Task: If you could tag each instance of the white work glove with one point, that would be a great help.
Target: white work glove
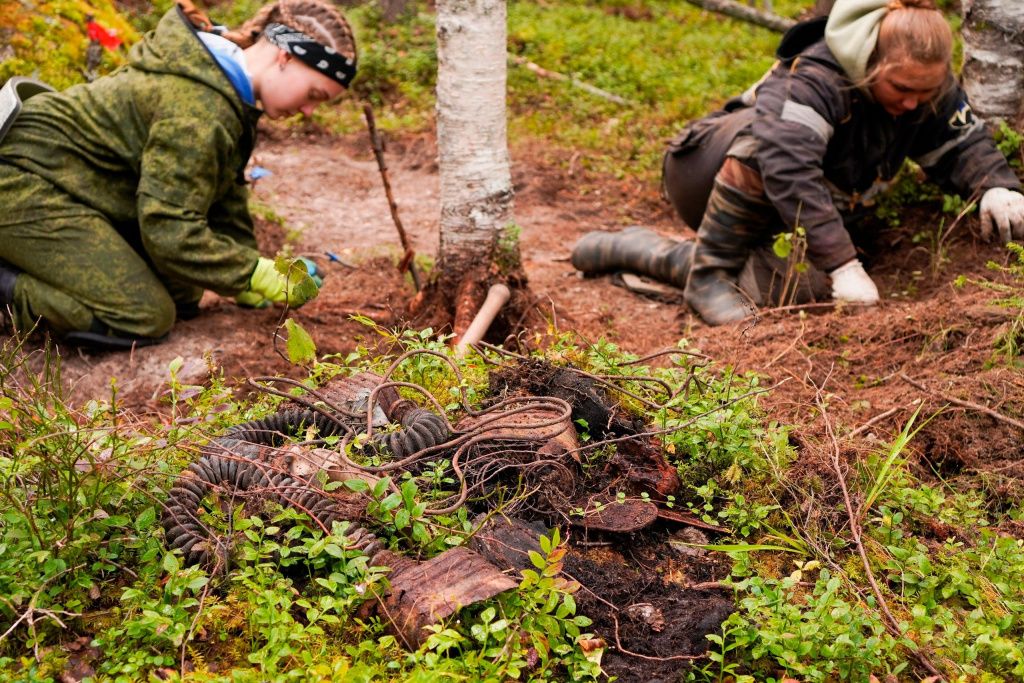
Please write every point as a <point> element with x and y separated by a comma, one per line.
<point>1004,208</point>
<point>851,283</point>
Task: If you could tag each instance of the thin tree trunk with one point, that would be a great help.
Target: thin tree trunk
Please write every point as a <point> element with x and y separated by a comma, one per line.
<point>476,183</point>
<point>993,73</point>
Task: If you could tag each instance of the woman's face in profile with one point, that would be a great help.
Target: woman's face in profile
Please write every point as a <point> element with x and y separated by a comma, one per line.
<point>291,87</point>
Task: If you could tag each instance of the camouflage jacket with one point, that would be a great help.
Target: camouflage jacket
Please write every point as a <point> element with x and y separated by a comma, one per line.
<point>823,145</point>
<point>158,147</point>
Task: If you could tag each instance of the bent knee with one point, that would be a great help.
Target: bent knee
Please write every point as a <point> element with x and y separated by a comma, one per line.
<point>151,318</point>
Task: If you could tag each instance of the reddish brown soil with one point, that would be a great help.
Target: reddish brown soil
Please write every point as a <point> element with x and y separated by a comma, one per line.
<point>327,193</point>
<point>846,367</point>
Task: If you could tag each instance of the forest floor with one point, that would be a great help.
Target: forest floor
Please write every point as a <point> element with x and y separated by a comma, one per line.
<point>327,191</point>
<point>863,371</point>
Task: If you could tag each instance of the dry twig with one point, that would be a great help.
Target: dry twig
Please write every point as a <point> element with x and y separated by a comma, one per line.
<point>876,419</point>
<point>769,20</point>
<point>970,405</point>
<point>892,625</point>
<point>547,73</point>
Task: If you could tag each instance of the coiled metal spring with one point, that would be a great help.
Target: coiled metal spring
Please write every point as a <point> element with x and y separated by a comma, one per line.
<point>239,462</point>
<point>421,429</point>
<point>274,429</point>
<point>242,467</point>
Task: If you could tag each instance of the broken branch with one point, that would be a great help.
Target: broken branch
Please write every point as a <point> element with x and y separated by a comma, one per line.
<point>735,10</point>
<point>408,254</point>
<point>970,405</point>
<point>547,73</point>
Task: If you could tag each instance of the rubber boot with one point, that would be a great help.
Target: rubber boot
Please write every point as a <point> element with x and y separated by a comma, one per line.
<point>723,246</point>
<point>636,249</point>
<point>100,337</point>
<point>8,275</point>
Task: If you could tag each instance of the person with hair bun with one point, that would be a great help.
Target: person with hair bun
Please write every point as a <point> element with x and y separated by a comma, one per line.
<point>811,145</point>
<point>124,198</point>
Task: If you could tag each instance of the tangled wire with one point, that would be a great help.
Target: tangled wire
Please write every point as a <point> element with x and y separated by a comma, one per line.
<point>504,440</point>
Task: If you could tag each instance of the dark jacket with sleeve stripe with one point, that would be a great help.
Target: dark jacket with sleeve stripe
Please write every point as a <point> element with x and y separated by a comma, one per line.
<point>821,142</point>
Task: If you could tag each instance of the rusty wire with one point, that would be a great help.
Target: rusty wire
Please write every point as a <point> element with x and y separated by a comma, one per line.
<point>609,381</point>
<point>503,437</point>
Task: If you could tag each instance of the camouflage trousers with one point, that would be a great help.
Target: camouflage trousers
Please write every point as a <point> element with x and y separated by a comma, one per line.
<point>78,272</point>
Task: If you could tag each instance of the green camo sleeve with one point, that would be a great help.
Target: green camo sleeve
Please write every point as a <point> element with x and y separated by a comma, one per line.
<point>188,167</point>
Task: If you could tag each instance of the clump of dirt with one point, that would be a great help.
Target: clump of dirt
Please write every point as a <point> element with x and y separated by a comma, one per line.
<point>655,629</point>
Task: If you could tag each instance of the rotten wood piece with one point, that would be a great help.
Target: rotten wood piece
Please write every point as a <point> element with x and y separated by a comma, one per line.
<point>753,15</point>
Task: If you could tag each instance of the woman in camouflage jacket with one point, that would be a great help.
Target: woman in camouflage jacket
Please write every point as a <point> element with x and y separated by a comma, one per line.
<point>850,98</point>
<point>124,199</point>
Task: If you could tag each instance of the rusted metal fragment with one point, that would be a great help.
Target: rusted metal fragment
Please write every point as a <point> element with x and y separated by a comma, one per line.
<point>506,543</point>
<point>522,425</point>
<point>689,520</point>
<point>427,592</point>
<point>624,517</point>
<point>643,463</point>
<point>468,298</point>
<point>351,394</point>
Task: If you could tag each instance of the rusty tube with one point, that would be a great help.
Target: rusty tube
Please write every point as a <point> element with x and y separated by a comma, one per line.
<point>497,296</point>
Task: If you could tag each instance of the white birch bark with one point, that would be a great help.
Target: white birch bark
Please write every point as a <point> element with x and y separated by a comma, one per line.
<point>476,183</point>
<point>993,73</point>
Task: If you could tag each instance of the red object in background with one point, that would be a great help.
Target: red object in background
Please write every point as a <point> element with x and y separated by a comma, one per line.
<point>105,37</point>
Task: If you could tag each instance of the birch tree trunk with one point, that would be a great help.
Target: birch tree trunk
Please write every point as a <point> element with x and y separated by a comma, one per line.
<point>993,73</point>
<point>476,183</point>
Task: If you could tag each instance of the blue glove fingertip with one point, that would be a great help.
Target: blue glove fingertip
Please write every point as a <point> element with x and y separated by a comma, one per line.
<point>314,271</point>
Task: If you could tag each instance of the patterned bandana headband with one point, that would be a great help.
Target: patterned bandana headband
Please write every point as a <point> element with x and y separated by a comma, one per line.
<point>325,59</point>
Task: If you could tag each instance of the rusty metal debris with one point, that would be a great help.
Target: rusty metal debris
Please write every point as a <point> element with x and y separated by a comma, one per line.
<point>506,542</point>
<point>424,593</point>
<point>524,441</point>
<point>620,517</point>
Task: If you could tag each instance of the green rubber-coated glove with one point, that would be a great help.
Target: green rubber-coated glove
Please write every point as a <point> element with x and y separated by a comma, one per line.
<point>269,285</point>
